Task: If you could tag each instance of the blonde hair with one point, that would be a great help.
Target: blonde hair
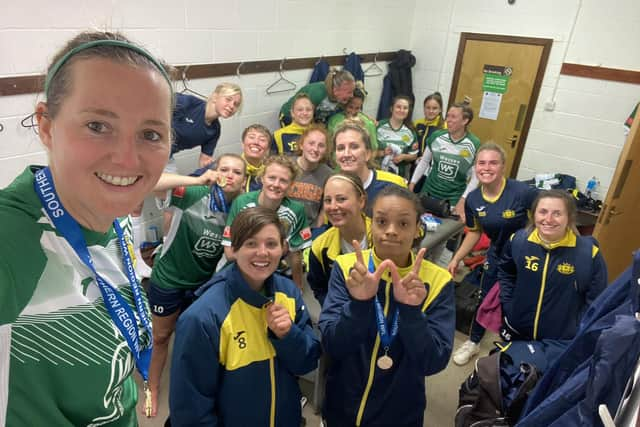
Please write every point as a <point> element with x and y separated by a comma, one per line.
<point>281,160</point>
<point>335,79</point>
<point>492,146</point>
<point>227,89</point>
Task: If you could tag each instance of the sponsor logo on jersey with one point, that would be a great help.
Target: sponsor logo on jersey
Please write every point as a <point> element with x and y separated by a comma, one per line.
<point>508,214</point>
<point>448,168</point>
<point>566,269</point>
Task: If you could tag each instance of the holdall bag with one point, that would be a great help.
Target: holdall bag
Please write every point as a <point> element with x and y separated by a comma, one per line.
<point>438,207</point>
<point>468,295</point>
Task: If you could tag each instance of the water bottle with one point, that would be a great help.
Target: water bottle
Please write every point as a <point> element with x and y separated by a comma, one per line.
<point>591,186</point>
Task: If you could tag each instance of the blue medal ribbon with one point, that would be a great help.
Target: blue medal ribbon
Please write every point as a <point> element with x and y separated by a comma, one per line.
<point>119,310</point>
<point>217,202</point>
<point>386,337</point>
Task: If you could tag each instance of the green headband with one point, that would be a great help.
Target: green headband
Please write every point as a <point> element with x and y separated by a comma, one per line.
<point>119,43</point>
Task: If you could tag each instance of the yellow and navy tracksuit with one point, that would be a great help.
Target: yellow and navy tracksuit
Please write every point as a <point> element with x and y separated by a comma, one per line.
<point>380,180</point>
<point>545,289</point>
<point>324,250</point>
<point>358,392</point>
<point>285,140</point>
<point>424,129</point>
<point>228,368</point>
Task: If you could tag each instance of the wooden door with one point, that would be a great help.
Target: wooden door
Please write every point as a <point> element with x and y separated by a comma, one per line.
<point>502,75</point>
<point>618,226</point>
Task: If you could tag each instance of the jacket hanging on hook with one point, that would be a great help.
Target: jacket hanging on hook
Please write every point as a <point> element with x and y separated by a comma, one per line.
<point>320,71</point>
<point>352,65</point>
<point>398,81</point>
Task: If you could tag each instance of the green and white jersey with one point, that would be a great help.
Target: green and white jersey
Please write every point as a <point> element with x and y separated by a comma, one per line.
<point>451,165</point>
<point>404,139</point>
<point>63,361</point>
<point>290,212</point>
<point>193,245</point>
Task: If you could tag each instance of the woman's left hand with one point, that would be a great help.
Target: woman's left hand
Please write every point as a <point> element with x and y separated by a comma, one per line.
<point>459,210</point>
<point>410,289</point>
<point>278,320</point>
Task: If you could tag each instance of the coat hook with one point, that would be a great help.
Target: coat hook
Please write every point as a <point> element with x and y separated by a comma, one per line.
<point>238,69</point>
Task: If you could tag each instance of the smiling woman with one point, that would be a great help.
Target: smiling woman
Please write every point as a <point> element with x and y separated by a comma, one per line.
<point>249,326</point>
<point>66,254</point>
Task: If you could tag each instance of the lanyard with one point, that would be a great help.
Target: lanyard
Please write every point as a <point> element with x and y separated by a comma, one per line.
<point>386,337</point>
<point>118,309</point>
<point>216,200</point>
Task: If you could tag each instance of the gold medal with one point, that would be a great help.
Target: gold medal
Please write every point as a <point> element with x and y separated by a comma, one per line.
<point>148,406</point>
<point>222,181</point>
<point>385,362</point>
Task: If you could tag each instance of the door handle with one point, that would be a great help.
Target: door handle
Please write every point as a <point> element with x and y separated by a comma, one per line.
<point>611,213</point>
<point>614,212</point>
<point>513,141</point>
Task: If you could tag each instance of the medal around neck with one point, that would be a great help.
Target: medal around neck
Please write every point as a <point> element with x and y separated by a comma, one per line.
<point>384,362</point>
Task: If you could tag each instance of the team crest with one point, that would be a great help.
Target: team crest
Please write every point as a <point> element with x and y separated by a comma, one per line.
<point>465,153</point>
<point>405,138</point>
<point>508,214</point>
<point>227,232</point>
<point>566,268</point>
<point>306,233</point>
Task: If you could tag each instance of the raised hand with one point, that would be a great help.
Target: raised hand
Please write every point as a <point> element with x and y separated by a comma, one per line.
<point>362,284</point>
<point>208,177</point>
<point>278,320</point>
<point>410,289</point>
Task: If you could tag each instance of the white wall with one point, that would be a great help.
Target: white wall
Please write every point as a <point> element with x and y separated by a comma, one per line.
<point>583,136</point>
<point>191,32</point>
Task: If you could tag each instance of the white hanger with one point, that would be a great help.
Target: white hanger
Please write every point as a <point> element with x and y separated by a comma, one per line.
<point>373,69</point>
<point>186,88</point>
<point>287,85</point>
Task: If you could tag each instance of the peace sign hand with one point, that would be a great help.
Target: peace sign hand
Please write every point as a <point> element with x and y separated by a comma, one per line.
<point>362,284</point>
<point>410,289</point>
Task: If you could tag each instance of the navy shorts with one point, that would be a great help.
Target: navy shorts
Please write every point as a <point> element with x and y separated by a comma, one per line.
<point>166,301</point>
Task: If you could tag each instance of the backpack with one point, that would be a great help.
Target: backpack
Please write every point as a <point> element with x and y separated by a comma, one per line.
<point>497,390</point>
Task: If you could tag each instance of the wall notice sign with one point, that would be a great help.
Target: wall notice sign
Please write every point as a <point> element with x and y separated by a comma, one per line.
<point>490,105</point>
<point>496,78</point>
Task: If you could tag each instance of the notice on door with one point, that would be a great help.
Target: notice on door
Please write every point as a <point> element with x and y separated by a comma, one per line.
<point>494,85</point>
<point>490,107</point>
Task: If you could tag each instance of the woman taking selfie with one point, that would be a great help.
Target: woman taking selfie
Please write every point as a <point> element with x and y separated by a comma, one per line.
<point>73,320</point>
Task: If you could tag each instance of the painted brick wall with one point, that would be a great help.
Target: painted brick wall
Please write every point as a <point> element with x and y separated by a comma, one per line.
<point>190,32</point>
<point>583,136</point>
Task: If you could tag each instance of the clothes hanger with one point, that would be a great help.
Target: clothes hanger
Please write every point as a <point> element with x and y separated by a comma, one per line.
<point>288,85</point>
<point>29,122</point>
<point>186,88</point>
<point>373,69</point>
